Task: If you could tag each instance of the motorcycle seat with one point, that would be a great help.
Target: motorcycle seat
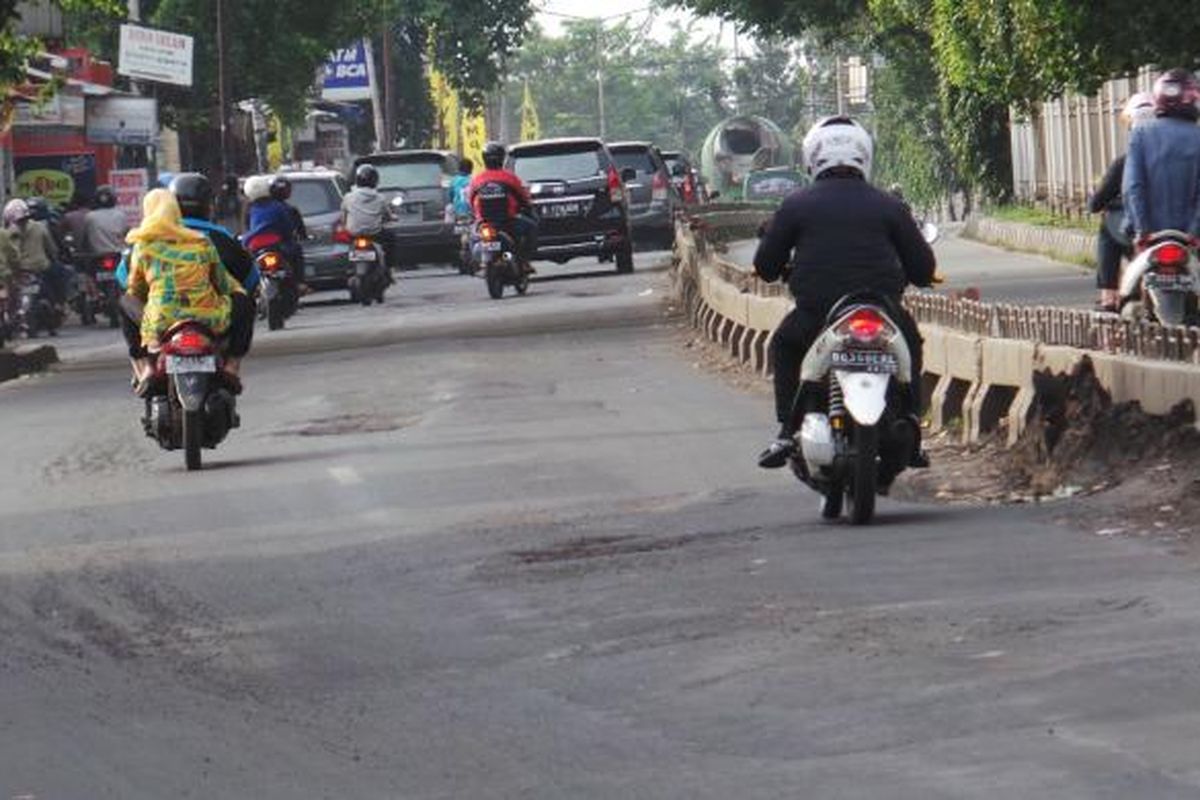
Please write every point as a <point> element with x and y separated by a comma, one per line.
<point>864,297</point>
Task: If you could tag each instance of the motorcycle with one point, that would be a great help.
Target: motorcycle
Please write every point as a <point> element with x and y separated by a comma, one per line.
<point>278,294</point>
<point>495,252</point>
<point>855,437</point>
<point>100,293</point>
<point>1162,281</point>
<point>35,312</point>
<point>368,275</point>
<point>466,264</point>
<point>189,408</point>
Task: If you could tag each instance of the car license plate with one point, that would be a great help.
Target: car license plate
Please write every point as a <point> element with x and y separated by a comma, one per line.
<point>177,365</point>
<point>104,276</point>
<point>492,247</point>
<point>364,255</point>
<point>560,210</point>
<point>865,361</point>
<point>1169,282</point>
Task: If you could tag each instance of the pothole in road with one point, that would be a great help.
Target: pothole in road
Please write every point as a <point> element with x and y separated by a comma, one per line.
<point>346,424</point>
<point>599,547</point>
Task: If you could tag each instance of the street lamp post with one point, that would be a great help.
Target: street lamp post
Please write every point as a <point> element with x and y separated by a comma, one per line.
<point>221,85</point>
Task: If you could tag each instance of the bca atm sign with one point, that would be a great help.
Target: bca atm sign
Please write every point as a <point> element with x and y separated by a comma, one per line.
<point>348,73</point>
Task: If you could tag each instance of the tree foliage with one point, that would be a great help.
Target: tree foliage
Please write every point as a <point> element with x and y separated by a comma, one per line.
<point>16,49</point>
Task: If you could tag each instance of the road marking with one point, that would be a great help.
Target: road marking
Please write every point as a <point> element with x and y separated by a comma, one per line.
<point>346,476</point>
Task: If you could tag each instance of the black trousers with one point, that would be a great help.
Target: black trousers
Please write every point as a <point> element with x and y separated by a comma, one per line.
<point>237,339</point>
<point>1109,252</point>
<point>796,334</point>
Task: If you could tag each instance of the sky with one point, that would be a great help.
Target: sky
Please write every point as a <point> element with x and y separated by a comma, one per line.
<point>637,10</point>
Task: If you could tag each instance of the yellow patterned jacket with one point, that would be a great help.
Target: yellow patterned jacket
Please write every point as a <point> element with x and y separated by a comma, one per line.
<point>180,281</point>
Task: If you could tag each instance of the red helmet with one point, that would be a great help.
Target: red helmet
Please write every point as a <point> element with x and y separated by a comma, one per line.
<point>1176,94</point>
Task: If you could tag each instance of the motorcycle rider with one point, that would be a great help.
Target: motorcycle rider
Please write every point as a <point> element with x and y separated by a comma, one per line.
<point>1112,243</point>
<point>460,187</point>
<point>846,236</point>
<point>519,220</point>
<point>364,209</point>
<point>105,226</point>
<point>37,251</point>
<point>1161,184</point>
<point>281,190</point>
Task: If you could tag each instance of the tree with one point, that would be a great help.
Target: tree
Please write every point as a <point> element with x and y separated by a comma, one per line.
<point>15,49</point>
<point>772,83</point>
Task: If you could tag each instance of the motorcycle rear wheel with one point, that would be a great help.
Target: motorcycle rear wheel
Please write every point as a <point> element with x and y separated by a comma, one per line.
<point>275,314</point>
<point>495,284</point>
<point>863,483</point>
<point>193,431</point>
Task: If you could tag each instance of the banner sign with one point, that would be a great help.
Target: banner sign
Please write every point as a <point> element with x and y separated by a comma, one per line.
<point>347,74</point>
<point>130,186</point>
<point>62,110</point>
<point>55,177</point>
<point>151,55</point>
<point>122,120</point>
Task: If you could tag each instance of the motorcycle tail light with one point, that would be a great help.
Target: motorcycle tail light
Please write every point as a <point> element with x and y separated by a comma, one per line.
<point>487,233</point>
<point>108,263</point>
<point>616,189</point>
<point>269,261</point>
<point>865,326</point>
<point>341,236</point>
<point>1171,257</point>
<point>362,243</point>
<point>190,342</point>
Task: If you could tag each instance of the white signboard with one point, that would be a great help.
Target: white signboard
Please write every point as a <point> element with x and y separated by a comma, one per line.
<point>130,186</point>
<point>152,55</point>
<point>61,110</point>
<point>122,120</point>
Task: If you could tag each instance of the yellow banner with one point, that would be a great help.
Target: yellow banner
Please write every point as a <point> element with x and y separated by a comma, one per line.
<point>531,127</point>
<point>474,136</point>
<point>445,104</point>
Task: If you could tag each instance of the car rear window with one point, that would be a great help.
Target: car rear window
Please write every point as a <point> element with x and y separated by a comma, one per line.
<point>315,197</point>
<point>637,159</point>
<point>557,164</point>
<point>409,174</point>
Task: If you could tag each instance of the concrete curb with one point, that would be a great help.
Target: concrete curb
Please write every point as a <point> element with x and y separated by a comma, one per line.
<point>980,380</point>
<point>1061,244</point>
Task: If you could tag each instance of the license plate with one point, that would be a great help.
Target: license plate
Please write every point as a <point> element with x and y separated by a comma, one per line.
<point>491,247</point>
<point>865,361</point>
<point>364,255</point>
<point>105,277</point>
<point>177,365</point>
<point>560,210</point>
<point>1181,283</point>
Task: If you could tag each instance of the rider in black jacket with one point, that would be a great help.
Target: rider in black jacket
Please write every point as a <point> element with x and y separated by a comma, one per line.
<point>847,236</point>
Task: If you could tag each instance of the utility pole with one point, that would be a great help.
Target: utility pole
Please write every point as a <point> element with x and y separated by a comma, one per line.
<point>221,99</point>
<point>600,77</point>
<point>389,106</point>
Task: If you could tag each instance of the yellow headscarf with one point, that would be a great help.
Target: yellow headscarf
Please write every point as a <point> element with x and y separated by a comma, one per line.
<point>162,221</point>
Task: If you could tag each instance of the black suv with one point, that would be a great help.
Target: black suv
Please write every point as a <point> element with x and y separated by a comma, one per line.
<point>581,201</point>
<point>416,184</point>
<point>653,199</point>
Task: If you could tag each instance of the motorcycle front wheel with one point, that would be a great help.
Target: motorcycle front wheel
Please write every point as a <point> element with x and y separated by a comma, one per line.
<point>495,283</point>
<point>193,431</point>
<point>862,482</point>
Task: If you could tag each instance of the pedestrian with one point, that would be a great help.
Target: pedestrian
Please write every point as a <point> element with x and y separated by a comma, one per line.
<point>1112,240</point>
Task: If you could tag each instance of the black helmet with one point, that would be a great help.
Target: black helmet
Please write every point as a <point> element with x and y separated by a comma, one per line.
<point>366,175</point>
<point>281,188</point>
<point>493,155</point>
<point>194,194</point>
<point>106,197</point>
<point>39,209</point>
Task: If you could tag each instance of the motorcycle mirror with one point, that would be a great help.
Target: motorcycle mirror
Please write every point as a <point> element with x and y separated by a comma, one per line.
<point>930,232</point>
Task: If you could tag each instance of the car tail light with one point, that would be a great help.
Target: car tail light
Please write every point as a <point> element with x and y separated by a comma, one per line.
<point>269,261</point>
<point>1170,257</point>
<point>341,235</point>
<point>689,189</point>
<point>108,263</point>
<point>616,189</point>
<point>190,342</point>
<point>866,326</point>
<point>487,233</point>
<point>362,243</point>
<point>658,192</point>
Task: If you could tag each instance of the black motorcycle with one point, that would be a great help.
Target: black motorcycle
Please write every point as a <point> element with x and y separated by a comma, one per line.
<point>99,293</point>
<point>35,311</point>
<point>278,292</point>
<point>495,251</point>
<point>368,279</point>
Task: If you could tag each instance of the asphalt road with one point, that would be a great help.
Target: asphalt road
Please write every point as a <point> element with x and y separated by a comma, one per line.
<point>540,563</point>
<point>1001,276</point>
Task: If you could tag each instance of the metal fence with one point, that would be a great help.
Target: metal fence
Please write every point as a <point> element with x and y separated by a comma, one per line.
<point>1060,156</point>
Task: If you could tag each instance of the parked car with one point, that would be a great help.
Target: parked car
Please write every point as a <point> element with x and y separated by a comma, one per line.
<point>417,185</point>
<point>317,195</point>
<point>581,202</point>
<point>653,200</point>
<point>685,177</point>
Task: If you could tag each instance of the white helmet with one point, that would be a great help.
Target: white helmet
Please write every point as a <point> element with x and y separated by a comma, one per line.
<point>838,142</point>
<point>16,211</point>
<point>1138,109</point>
<point>257,187</point>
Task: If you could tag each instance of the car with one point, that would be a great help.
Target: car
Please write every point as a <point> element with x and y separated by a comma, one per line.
<point>416,183</point>
<point>653,200</point>
<point>580,200</point>
<point>685,177</point>
<point>317,195</point>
